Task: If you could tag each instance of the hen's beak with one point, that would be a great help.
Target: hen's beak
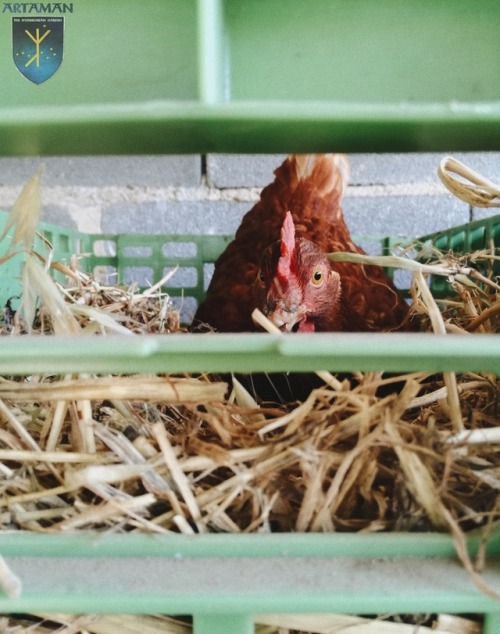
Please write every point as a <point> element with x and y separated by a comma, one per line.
<point>289,327</point>
<point>287,319</point>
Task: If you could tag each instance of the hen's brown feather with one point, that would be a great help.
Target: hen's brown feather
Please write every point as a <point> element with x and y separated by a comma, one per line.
<point>310,186</point>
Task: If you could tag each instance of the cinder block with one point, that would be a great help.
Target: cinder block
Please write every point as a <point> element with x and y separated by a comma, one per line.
<point>17,171</point>
<point>372,169</point>
<point>242,170</point>
<point>208,217</point>
<point>485,163</point>
<point>403,215</point>
<point>389,169</point>
<point>478,213</point>
<point>365,216</point>
<point>59,216</point>
<point>124,211</point>
<point>256,170</point>
<point>98,171</point>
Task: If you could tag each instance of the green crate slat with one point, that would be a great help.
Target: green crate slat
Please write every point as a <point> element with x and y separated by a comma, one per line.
<point>188,77</point>
<point>212,576</point>
<point>266,545</point>
<point>251,352</point>
<point>467,238</point>
<point>65,243</point>
<point>246,585</point>
<point>153,255</point>
<point>473,236</point>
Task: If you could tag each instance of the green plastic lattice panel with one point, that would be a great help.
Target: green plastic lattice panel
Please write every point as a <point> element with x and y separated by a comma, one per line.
<point>62,243</point>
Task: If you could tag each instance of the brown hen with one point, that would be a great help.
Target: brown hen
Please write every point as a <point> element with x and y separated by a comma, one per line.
<point>278,261</point>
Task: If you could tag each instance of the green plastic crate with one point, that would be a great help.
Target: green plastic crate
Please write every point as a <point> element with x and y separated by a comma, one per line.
<point>470,237</point>
<point>142,259</point>
<point>65,243</point>
<point>224,580</point>
<point>259,76</point>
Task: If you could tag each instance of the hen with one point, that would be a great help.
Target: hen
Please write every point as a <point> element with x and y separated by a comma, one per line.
<point>278,261</point>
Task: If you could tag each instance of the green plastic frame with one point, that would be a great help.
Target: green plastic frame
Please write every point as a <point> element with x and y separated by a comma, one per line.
<point>225,580</point>
<point>354,573</point>
<point>184,76</point>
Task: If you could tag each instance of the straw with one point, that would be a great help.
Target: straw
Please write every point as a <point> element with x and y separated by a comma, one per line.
<point>474,189</point>
<point>161,454</point>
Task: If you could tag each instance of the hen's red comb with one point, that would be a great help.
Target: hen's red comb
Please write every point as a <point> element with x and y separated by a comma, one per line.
<point>287,246</point>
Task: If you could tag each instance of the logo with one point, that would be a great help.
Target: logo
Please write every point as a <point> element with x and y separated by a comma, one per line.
<point>37,46</point>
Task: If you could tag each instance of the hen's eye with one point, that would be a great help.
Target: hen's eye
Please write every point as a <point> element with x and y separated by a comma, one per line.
<point>317,277</point>
<point>261,276</point>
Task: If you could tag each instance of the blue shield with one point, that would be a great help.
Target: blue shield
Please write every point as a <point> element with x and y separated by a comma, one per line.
<point>37,46</point>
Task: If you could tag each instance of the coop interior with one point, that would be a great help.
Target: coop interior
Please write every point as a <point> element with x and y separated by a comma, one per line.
<point>164,469</point>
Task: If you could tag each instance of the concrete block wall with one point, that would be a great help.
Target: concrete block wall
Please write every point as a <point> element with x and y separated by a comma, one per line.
<point>389,193</point>
<point>397,194</point>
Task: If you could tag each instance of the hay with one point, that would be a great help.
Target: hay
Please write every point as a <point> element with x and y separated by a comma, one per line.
<point>265,624</point>
<point>175,454</point>
<point>471,187</point>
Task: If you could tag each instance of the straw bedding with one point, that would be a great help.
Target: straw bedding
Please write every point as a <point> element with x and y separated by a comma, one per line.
<point>191,454</point>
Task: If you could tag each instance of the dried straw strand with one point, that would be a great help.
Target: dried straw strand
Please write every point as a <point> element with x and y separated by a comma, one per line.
<point>138,388</point>
<point>178,475</point>
<point>476,190</point>
<point>438,325</point>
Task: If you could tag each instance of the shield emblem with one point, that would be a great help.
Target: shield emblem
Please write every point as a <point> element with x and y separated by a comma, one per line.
<point>37,46</point>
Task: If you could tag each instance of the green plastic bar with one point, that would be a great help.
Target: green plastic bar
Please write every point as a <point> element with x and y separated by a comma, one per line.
<point>210,58</point>
<point>223,624</point>
<point>161,126</point>
<point>491,623</point>
<point>222,579</point>
<point>161,89</point>
<point>247,352</point>
<point>248,585</point>
<point>93,544</point>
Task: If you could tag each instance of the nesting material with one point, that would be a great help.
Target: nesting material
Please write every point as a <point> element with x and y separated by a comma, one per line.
<point>157,454</point>
<point>264,624</point>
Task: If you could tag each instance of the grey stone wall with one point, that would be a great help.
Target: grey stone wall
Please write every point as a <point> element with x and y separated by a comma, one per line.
<point>389,193</point>
<point>396,194</point>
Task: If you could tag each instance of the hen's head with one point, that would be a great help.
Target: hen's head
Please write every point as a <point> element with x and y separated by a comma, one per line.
<point>295,286</point>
